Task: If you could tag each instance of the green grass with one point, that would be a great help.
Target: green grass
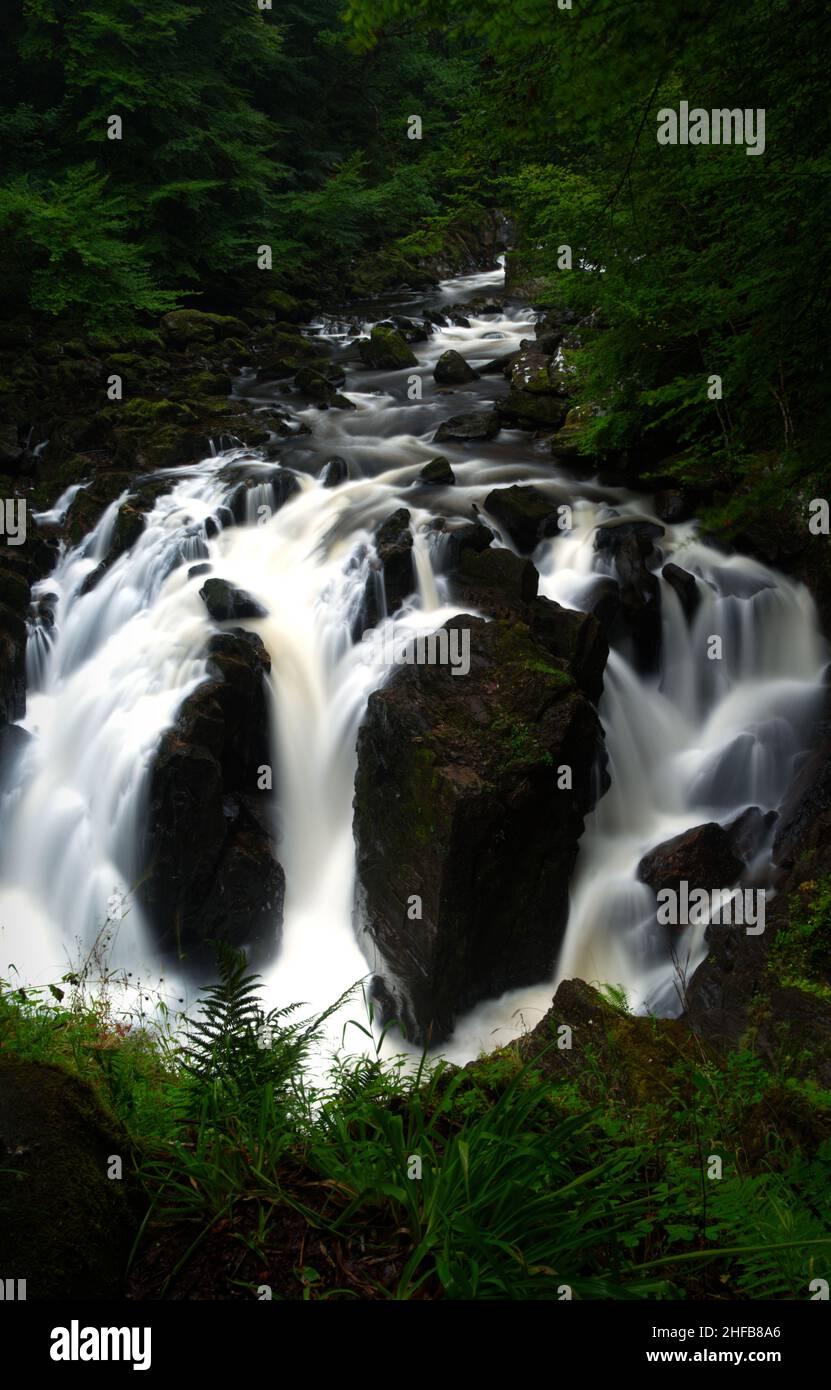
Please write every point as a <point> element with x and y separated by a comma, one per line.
<point>489,1182</point>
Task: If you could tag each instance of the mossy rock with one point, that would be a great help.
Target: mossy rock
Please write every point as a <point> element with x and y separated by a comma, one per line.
<point>386,350</point>
<point>532,410</point>
<point>209,384</point>
<point>457,801</point>
<point>65,1226</point>
<point>188,327</point>
<point>141,411</point>
<point>283,305</point>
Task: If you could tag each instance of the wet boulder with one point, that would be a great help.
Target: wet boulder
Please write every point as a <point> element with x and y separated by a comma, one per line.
<point>685,585</point>
<point>524,513</point>
<point>437,473</point>
<point>532,410</point>
<point>272,488</point>
<point>225,603</point>
<point>394,577</point>
<point>629,545</point>
<point>209,866</point>
<point>465,824</point>
<point>409,329</point>
<point>477,424</point>
<point>386,350</point>
<point>334,471</point>
<point>452,369</point>
<point>704,857</point>
<point>13,636</point>
<point>749,830</point>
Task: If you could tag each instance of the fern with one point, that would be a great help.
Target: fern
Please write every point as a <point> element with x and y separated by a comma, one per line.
<point>235,1044</point>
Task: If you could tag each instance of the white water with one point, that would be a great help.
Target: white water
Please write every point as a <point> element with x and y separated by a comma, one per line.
<point>702,741</point>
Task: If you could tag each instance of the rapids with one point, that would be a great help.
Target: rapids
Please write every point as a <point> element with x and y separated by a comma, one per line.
<point>702,740</point>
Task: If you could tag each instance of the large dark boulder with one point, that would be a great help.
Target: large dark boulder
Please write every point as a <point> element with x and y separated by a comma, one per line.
<point>478,424</point>
<point>533,411</point>
<point>270,487</point>
<point>437,473</point>
<point>629,545</point>
<point>66,1227</point>
<point>703,856</point>
<point>458,805</point>
<point>394,579</point>
<point>452,369</point>
<point>334,471</point>
<point>386,350</point>
<point>524,513</point>
<point>539,387</point>
<point>225,603</point>
<point>210,870</point>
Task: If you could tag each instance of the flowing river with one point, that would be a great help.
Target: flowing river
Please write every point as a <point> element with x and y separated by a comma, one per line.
<point>701,740</point>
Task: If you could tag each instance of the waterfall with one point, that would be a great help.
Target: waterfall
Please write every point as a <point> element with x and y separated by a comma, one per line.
<point>696,741</point>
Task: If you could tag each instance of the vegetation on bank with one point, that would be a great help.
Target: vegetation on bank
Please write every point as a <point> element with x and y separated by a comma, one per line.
<point>504,1179</point>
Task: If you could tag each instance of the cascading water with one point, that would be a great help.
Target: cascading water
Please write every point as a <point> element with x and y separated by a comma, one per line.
<point>700,740</point>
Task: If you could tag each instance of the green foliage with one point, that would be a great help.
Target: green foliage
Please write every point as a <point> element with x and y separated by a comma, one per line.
<point>697,261</point>
<point>523,1184</point>
<point>801,951</point>
<point>240,127</point>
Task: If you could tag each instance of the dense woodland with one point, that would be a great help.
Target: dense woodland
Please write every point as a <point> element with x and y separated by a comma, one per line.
<point>288,126</point>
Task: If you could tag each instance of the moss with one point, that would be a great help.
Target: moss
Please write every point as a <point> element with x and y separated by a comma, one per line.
<point>141,411</point>
<point>65,1226</point>
<point>800,955</point>
<point>209,384</point>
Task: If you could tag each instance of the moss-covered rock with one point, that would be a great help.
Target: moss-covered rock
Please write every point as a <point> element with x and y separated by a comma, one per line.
<point>386,350</point>
<point>209,384</point>
<point>189,327</point>
<point>437,473</point>
<point>525,514</point>
<point>533,410</point>
<point>66,1227</point>
<point>458,802</point>
<point>452,369</point>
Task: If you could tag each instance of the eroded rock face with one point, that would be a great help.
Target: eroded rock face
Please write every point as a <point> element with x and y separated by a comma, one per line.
<point>210,867</point>
<point>458,810</point>
<point>804,826</point>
